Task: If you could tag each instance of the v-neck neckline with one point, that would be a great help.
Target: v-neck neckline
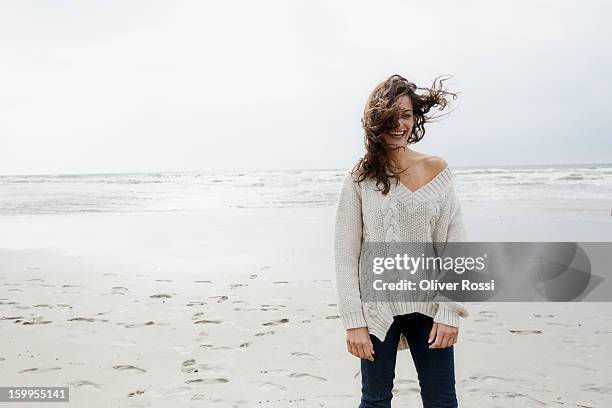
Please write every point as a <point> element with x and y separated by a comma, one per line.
<point>424,185</point>
<point>430,186</point>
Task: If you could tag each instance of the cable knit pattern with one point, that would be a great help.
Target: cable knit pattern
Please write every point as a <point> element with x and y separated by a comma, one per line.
<point>430,214</point>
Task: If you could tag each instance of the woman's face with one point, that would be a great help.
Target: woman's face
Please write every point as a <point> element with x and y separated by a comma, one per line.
<point>399,136</point>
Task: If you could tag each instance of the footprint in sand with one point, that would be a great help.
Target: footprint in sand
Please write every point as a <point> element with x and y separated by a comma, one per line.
<point>245,345</point>
<point>64,305</point>
<point>253,276</point>
<point>542,315</point>
<point>236,285</point>
<point>525,331</point>
<point>332,317</point>
<point>161,296</point>
<point>303,354</point>
<point>40,370</point>
<point>302,375</point>
<point>207,381</point>
<point>190,366</point>
<point>129,367</point>
<point>119,290</point>
<point>149,323</point>
<point>163,280</point>
<point>84,383</point>
<point>486,378</point>
<point>43,305</point>
<point>220,299</point>
<point>212,347</point>
<point>276,322</point>
<point>137,392</point>
<point>264,333</point>
<point>598,388</point>
<point>194,303</point>
<point>203,281</point>
<point>273,371</point>
<point>86,319</point>
<point>34,320</point>
<point>11,318</point>
<point>208,321</point>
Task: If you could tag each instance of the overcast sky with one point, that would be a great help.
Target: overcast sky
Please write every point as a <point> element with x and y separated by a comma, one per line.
<point>121,86</point>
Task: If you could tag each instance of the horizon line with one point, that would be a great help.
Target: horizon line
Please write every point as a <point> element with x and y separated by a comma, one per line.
<point>288,170</point>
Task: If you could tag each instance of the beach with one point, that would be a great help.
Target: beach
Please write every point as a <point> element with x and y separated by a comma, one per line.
<point>193,295</point>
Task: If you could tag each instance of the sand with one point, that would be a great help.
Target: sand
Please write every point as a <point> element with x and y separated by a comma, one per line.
<point>237,308</point>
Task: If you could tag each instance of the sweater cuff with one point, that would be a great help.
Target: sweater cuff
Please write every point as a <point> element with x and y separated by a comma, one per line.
<point>352,320</point>
<point>446,315</point>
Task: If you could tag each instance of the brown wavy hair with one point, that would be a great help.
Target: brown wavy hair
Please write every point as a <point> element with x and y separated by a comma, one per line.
<point>381,115</point>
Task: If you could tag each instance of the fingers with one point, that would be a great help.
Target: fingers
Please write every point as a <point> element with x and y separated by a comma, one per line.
<point>361,347</point>
<point>432,333</point>
<point>349,347</point>
<point>368,350</point>
<point>361,353</point>
<point>442,336</point>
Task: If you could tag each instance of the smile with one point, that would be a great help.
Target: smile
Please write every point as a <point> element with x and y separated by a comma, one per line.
<point>398,134</point>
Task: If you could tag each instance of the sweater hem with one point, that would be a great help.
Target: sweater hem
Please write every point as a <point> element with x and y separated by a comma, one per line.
<point>381,318</point>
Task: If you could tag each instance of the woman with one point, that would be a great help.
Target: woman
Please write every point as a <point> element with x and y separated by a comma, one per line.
<point>396,194</point>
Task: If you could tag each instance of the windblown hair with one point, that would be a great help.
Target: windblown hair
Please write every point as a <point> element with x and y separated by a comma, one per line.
<point>381,115</point>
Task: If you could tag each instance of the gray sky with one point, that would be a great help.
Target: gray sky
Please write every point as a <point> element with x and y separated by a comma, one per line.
<point>114,86</point>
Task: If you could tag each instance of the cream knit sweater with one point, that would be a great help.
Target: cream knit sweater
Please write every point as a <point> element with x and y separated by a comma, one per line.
<point>430,214</point>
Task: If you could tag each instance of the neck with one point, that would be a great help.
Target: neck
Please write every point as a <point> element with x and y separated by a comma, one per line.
<point>400,157</point>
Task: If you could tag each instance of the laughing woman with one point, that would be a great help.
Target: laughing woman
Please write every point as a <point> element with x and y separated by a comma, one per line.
<point>396,194</point>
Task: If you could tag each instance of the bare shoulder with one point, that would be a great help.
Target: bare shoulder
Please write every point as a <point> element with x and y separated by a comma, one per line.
<point>434,164</point>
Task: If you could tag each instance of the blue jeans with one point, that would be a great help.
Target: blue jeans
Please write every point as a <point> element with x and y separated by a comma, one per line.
<point>435,367</point>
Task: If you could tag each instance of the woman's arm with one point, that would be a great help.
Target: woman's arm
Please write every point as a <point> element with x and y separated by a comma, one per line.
<point>347,250</point>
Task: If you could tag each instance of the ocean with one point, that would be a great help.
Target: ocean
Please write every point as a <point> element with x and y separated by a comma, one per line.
<point>578,187</point>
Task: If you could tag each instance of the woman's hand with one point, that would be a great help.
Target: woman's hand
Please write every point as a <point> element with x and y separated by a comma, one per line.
<point>359,344</point>
<point>443,336</point>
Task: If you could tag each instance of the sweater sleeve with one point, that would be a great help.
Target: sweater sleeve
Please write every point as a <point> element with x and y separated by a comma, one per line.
<point>347,250</point>
<point>449,228</point>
